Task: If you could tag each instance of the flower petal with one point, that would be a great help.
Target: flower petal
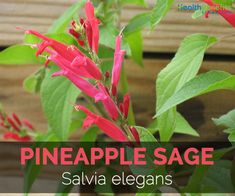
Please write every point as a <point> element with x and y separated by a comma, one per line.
<point>109,128</point>
<point>82,84</point>
<point>117,65</point>
<point>108,103</point>
<point>16,137</point>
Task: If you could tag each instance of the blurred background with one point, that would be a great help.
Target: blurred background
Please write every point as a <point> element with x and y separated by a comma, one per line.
<point>159,48</point>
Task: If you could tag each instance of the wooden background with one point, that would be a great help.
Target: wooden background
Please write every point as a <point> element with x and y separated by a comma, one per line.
<point>158,46</point>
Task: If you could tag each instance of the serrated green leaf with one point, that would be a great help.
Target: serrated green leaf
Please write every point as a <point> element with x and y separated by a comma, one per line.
<point>57,96</point>
<point>202,84</point>
<point>60,25</point>
<point>135,42</point>
<point>159,11</point>
<point>18,55</point>
<point>181,69</point>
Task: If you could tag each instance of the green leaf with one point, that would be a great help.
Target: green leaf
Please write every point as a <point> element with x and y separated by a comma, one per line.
<point>181,69</point>
<point>202,84</point>
<point>135,42</point>
<point>18,54</point>
<point>90,135</point>
<point>227,120</point>
<point>134,2</point>
<point>226,3</point>
<point>149,142</point>
<point>218,178</point>
<point>160,10</point>
<point>32,170</point>
<point>138,23</point>
<point>57,96</point>
<point>32,83</point>
<point>194,184</point>
<point>183,127</point>
<point>149,19</point>
<point>108,35</point>
<point>231,136</point>
<point>60,25</point>
<point>145,135</point>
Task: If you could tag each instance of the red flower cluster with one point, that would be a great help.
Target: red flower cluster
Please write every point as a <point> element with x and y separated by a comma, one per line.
<point>16,129</point>
<point>91,27</point>
<point>84,73</point>
<point>226,14</point>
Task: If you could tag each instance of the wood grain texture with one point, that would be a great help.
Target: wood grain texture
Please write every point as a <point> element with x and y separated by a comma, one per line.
<point>198,111</point>
<point>40,15</point>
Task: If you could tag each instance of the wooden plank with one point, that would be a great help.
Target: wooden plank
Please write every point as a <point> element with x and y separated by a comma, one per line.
<point>199,111</point>
<point>40,15</point>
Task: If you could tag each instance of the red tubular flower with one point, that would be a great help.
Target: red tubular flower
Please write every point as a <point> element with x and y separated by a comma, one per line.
<point>16,137</point>
<point>2,117</point>
<point>105,125</point>
<point>226,14</point>
<point>15,127</point>
<point>88,65</point>
<point>28,124</point>
<point>68,52</point>
<point>117,66</point>
<point>73,31</point>
<point>135,134</point>
<point>67,56</point>
<point>82,66</point>
<point>67,65</point>
<point>77,36</point>
<point>92,27</point>
<point>107,101</point>
<point>12,123</point>
<point>82,84</point>
<point>126,105</point>
<point>16,118</point>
